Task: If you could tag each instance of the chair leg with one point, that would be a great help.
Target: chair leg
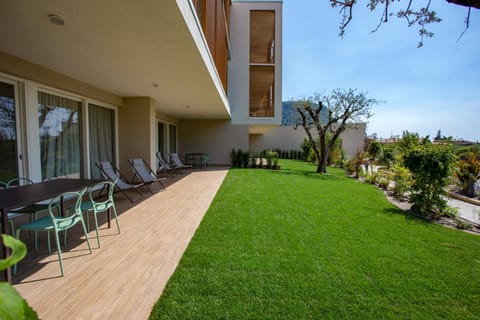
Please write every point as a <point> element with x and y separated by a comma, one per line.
<point>88,221</point>
<point>86,235</point>
<point>12,228</point>
<point>59,250</point>
<point>15,265</point>
<point>116,219</point>
<point>48,241</point>
<point>96,227</point>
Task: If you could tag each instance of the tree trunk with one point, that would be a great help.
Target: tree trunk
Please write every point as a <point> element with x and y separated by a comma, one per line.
<point>322,160</point>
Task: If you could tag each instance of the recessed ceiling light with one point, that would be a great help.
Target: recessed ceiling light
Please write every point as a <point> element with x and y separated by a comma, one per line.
<point>56,19</point>
<point>155,85</point>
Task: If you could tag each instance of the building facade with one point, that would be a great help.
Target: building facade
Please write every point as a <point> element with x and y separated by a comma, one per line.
<point>87,81</point>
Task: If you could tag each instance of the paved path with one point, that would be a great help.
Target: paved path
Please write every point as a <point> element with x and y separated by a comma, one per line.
<point>466,210</point>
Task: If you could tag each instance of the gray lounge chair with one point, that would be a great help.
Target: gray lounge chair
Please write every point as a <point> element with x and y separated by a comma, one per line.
<point>145,173</point>
<point>177,163</point>
<point>163,166</point>
<point>113,174</point>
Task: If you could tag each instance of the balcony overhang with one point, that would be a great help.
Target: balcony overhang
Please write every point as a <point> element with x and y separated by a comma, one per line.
<point>129,48</point>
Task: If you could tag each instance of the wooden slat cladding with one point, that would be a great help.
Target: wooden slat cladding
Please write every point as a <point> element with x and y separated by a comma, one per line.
<point>214,17</point>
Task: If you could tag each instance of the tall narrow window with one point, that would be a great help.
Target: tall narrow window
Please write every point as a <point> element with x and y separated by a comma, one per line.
<point>161,139</point>
<point>172,137</point>
<point>101,127</point>
<point>60,136</point>
<point>8,132</point>
<point>262,63</point>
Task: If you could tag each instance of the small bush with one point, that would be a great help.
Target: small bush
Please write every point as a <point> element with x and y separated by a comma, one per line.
<point>402,182</point>
<point>462,224</point>
<point>468,172</point>
<point>431,167</point>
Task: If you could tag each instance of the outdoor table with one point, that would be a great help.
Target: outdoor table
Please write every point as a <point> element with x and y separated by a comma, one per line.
<point>28,194</point>
<point>197,158</point>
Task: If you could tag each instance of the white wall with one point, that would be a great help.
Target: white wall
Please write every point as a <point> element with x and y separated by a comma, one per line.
<point>288,138</point>
<point>239,64</point>
<point>215,137</point>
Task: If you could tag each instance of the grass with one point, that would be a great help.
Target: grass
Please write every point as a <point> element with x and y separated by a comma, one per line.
<point>292,244</point>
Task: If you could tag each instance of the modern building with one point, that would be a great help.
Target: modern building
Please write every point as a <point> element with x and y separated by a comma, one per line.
<point>114,79</point>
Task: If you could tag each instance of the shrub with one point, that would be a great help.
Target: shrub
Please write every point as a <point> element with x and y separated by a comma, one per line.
<point>239,157</point>
<point>430,166</point>
<point>468,172</point>
<point>233,158</point>
<point>245,158</point>
<point>371,177</point>
<point>389,155</point>
<point>402,182</point>
<point>462,224</point>
<point>375,149</point>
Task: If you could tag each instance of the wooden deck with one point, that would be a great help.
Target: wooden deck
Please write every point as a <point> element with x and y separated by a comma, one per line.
<point>125,277</point>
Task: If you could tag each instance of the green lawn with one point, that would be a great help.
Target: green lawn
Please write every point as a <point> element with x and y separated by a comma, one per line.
<point>292,244</point>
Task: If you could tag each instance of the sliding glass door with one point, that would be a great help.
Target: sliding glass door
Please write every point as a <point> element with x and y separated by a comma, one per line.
<point>60,136</point>
<point>101,124</point>
<point>9,164</point>
<point>167,138</point>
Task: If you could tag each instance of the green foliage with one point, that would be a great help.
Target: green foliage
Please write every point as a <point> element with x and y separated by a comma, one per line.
<point>431,167</point>
<point>299,245</point>
<point>12,305</point>
<point>389,155</point>
<point>463,224</point>
<point>408,141</point>
<point>375,149</point>
<point>245,158</point>
<point>468,172</point>
<point>306,147</point>
<point>233,158</point>
<point>371,177</point>
<point>336,151</point>
<point>272,158</point>
<point>402,182</point>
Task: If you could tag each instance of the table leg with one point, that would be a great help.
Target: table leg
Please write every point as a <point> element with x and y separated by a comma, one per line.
<point>7,273</point>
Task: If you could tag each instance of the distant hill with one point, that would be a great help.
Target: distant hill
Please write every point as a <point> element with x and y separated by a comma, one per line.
<point>290,115</point>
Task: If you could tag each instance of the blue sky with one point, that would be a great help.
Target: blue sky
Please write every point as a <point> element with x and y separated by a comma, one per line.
<point>436,87</point>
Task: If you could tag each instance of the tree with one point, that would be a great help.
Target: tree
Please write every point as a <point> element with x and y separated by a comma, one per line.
<point>343,107</point>
<point>420,16</point>
<point>375,149</point>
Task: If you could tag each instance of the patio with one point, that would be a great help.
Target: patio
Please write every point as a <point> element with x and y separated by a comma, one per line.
<point>125,277</point>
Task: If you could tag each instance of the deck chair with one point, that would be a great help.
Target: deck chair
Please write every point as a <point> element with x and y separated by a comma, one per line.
<point>178,164</point>
<point>163,166</point>
<point>145,173</point>
<point>95,205</point>
<point>32,210</point>
<point>56,224</point>
<point>113,174</point>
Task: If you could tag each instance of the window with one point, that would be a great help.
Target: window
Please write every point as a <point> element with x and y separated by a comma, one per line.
<point>101,127</point>
<point>172,136</point>
<point>262,63</point>
<point>60,136</point>
<point>262,37</point>
<point>8,132</point>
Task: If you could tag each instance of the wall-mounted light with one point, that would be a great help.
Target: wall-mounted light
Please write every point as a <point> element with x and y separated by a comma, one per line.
<point>187,106</point>
<point>155,85</point>
<point>56,19</point>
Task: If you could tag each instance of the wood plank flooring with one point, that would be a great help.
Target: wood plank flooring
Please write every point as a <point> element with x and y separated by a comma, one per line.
<point>125,276</point>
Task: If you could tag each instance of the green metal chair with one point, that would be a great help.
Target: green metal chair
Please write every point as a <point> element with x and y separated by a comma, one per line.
<point>96,207</point>
<point>58,223</point>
